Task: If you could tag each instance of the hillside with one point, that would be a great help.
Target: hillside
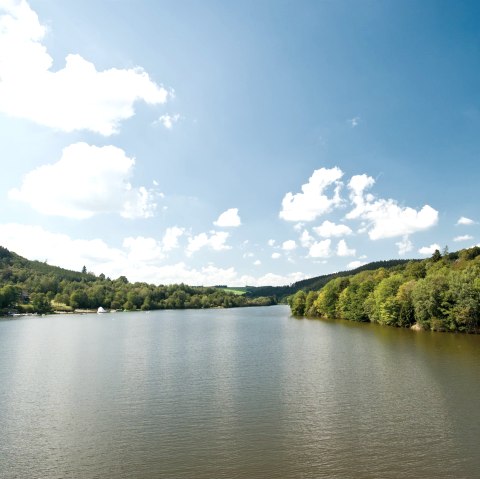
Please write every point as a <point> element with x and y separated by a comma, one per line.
<point>441,293</point>
<point>32,286</point>
<point>317,282</point>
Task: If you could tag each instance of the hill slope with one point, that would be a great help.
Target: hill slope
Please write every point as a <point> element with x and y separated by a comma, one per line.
<point>33,286</point>
<point>282,292</point>
<point>441,293</point>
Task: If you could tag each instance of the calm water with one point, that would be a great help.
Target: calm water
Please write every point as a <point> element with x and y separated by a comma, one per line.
<point>234,393</point>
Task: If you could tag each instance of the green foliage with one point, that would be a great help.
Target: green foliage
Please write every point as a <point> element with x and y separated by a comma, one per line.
<point>441,293</point>
<point>281,293</point>
<point>298,303</point>
<point>31,286</point>
<point>40,303</point>
<point>326,302</point>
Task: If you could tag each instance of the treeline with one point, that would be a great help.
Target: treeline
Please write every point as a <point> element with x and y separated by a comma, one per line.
<point>31,286</point>
<point>441,293</point>
<point>281,293</point>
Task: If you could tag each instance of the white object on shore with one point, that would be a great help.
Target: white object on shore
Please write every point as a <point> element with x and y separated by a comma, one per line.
<point>100,310</point>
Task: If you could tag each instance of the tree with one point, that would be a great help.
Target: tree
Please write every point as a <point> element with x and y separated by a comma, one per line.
<point>326,303</point>
<point>8,296</point>
<point>298,303</point>
<point>40,303</point>
<point>309,303</point>
<point>84,270</point>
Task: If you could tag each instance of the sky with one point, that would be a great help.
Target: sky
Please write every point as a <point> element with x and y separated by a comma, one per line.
<point>239,143</point>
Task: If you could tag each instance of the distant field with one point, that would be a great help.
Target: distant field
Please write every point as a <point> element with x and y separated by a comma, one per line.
<point>238,291</point>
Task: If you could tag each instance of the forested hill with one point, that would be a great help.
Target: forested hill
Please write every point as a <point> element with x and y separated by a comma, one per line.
<point>32,286</point>
<point>312,284</point>
<point>441,293</point>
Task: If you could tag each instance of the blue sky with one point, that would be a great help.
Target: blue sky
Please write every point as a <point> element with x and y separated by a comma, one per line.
<point>237,142</point>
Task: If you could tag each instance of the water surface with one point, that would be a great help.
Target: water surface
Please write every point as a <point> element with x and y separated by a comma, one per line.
<point>234,393</point>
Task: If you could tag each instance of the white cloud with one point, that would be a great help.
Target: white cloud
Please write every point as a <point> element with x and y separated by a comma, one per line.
<point>385,217</point>
<point>76,97</point>
<point>289,245</point>
<point>320,249</point>
<point>170,238</point>
<point>313,201</point>
<point>138,260</point>
<point>328,229</point>
<point>271,242</point>
<point>276,255</point>
<point>228,218</point>
<point>428,250</point>
<point>463,238</point>
<point>465,221</point>
<point>87,180</point>
<point>404,245</point>
<point>168,120</point>
<point>143,249</point>
<point>306,239</point>
<point>33,242</point>
<point>355,264</point>
<point>215,240</point>
<point>271,279</point>
<point>354,121</point>
<point>344,250</point>
<point>257,262</point>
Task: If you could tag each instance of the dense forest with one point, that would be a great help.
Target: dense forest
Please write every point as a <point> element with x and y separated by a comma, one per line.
<point>35,287</point>
<point>281,293</point>
<point>441,293</point>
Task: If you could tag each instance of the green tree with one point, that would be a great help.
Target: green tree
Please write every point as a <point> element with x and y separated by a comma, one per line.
<point>298,303</point>
<point>40,303</point>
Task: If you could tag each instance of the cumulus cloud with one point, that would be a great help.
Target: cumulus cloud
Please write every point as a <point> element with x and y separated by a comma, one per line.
<point>463,238</point>
<point>257,262</point>
<point>385,217</point>
<point>276,255</point>
<point>344,250</point>
<point>143,249</point>
<point>76,97</point>
<point>87,180</point>
<point>306,239</point>
<point>168,120</point>
<point>170,238</point>
<point>404,245</point>
<point>34,242</point>
<point>139,259</point>
<point>214,240</point>
<point>289,245</point>
<point>429,250</point>
<point>328,230</point>
<point>465,221</point>
<point>229,218</point>
<point>320,249</point>
<point>271,242</point>
<point>313,201</point>
<point>271,279</point>
<point>355,264</point>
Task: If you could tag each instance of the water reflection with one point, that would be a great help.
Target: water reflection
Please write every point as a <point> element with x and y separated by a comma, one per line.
<point>234,393</point>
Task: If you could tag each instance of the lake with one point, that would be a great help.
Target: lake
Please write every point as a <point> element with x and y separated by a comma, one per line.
<point>234,393</point>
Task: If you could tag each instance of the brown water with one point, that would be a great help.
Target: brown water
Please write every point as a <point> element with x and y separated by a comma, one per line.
<point>235,393</point>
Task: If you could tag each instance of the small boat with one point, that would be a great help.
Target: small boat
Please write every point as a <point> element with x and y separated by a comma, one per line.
<point>100,310</point>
